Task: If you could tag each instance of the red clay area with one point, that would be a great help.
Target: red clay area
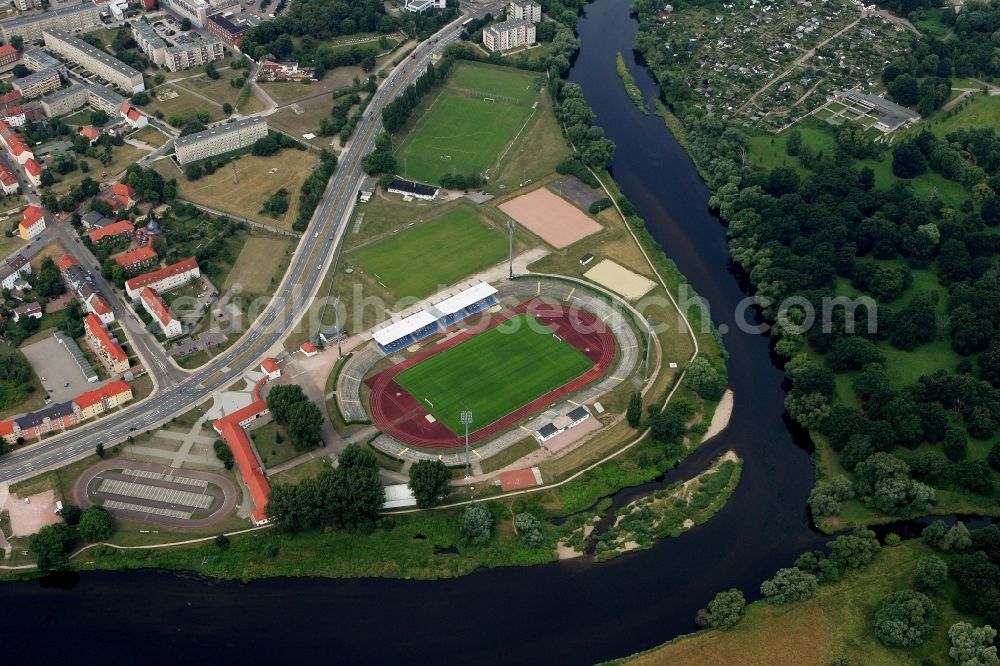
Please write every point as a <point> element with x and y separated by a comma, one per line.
<point>398,414</point>
<point>517,479</point>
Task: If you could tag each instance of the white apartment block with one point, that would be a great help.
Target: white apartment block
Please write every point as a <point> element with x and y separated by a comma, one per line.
<point>110,69</point>
<point>524,11</point>
<point>186,56</point>
<point>509,35</point>
<point>76,95</point>
<point>164,279</point>
<point>195,10</point>
<point>158,309</point>
<point>38,83</point>
<point>36,60</point>
<point>149,42</point>
<point>219,139</point>
<point>78,18</point>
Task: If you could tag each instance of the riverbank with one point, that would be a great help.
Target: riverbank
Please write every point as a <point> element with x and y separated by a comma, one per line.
<point>720,418</point>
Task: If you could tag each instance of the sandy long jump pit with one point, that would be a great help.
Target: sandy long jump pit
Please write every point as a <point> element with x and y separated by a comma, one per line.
<point>549,216</point>
<point>619,279</point>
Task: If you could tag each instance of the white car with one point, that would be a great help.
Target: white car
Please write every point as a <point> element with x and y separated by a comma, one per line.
<point>319,267</point>
<point>316,235</point>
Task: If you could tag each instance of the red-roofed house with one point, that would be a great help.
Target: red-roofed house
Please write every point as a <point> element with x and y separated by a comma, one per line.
<point>104,345</point>
<point>66,261</point>
<point>8,181</point>
<point>98,401</point>
<point>132,116</point>
<point>164,279</point>
<point>32,222</point>
<point>99,305</point>
<point>15,145</point>
<point>112,231</point>
<point>34,172</point>
<point>309,349</point>
<point>137,259</point>
<point>125,194</point>
<point>91,133</point>
<point>160,312</point>
<point>8,55</point>
<point>270,368</point>
<point>8,431</point>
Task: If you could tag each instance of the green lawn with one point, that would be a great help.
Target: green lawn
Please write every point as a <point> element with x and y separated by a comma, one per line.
<point>980,111</point>
<point>418,261</point>
<point>462,135</point>
<point>493,373</point>
<point>497,80</point>
<point>768,150</point>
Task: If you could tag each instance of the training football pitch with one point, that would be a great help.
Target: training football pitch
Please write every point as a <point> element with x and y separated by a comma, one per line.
<point>493,373</point>
<point>417,261</point>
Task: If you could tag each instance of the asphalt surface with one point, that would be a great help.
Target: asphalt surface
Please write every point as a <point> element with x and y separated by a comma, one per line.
<point>179,391</point>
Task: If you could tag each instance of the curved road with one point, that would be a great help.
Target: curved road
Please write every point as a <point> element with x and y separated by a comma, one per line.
<point>289,304</point>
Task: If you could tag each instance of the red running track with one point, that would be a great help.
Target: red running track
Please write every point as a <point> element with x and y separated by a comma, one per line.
<point>400,415</point>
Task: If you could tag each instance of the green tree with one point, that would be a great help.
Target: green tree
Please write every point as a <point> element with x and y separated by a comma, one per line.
<point>634,413</point>
<point>956,538</point>
<point>99,449</point>
<point>973,646</point>
<point>95,525</point>
<point>704,379</point>
<point>827,497</point>
<point>723,611</point>
<point>223,453</point>
<point>50,545</point>
<point>905,619</point>
<point>791,584</point>
<point>930,574</point>
<point>227,108</point>
<point>429,481</point>
<point>530,530</point>
<point>71,513</point>
<point>477,524</point>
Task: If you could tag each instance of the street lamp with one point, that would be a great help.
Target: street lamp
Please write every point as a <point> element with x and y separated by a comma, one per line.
<point>336,314</point>
<point>511,225</point>
<point>466,417</point>
<point>649,343</point>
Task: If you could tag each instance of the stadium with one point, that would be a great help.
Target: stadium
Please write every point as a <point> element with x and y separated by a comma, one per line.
<point>508,355</point>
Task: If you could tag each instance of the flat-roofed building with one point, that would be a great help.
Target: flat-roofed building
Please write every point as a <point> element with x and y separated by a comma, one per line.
<point>186,56</point>
<point>149,42</point>
<point>38,83</point>
<point>509,35</point>
<point>64,101</point>
<point>103,98</point>
<point>36,60</point>
<point>194,10</point>
<point>12,269</point>
<point>219,139</point>
<point>524,11</point>
<point>107,67</point>
<point>78,18</point>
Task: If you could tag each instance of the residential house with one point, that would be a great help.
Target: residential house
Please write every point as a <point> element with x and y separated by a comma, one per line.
<point>12,269</point>
<point>125,194</point>
<point>33,310</point>
<point>270,368</point>
<point>154,304</point>
<point>33,172</point>
<point>164,279</point>
<point>105,346</point>
<point>136,260</point>
<point>112,232</point>
<point>32,222</point>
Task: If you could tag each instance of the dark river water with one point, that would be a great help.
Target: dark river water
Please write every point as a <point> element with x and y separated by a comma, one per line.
<point>566,613</point>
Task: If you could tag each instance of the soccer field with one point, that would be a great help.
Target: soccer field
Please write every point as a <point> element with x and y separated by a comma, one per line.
<point>462,135</point>
<point>493,373</point>
<point>418,260</point>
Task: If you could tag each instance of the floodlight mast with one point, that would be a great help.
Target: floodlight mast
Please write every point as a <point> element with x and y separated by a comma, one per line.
<point>466,418</point>
<point>511,225</point>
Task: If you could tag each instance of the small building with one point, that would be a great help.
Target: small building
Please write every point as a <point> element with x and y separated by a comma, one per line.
<point>547,432</point>
<point>112,232</point>
<point>308,349</point>
<point>8,181</point>
<point>577,416</point>
<point>8,55</point>
<point>99,306</point>
<point>33,172</point>
<point>32,310</point>
<point>94,220</point>
<point>411,188</point>
<point>32,222</point>
<point>90,133</point>
<point>137,260</point>
<point>131,115</point>
<point>398,496</point>
<point>13,268</point>
<point>125,194</point>
<point>286,71</point>
<point>270,368</point>
<point>421,6</point>
<point>586,259</point>
<point>79,358</point>
<point>367,189</point>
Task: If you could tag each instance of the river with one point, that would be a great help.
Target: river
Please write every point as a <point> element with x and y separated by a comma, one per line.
<point>573,612</point>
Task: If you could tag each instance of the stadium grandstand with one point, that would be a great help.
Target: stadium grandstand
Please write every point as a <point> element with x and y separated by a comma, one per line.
<point>435,318</point>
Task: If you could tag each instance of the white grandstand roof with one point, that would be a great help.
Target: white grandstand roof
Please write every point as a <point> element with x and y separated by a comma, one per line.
<point>404,327</point>
<point>464,299</point>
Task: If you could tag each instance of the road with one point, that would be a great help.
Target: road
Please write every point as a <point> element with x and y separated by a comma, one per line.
<point>302,279</point>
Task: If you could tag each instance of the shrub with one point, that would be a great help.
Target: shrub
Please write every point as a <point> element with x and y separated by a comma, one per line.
<point>530,530</point>
<point>95,525</point>
<point>905,619</point>
<point>600,205</point>
<point>724,610</point>
<point>790,584</point>
<point>930,573</point>
<point>477,524</point>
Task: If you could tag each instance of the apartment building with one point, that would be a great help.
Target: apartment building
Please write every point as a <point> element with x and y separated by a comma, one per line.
<point>107,67</point>
<point>112,232</point>
<point>62,415</point>
<point>186,56</point>
<point>12,269</point>
<point>164,279</point>
<point>106,347</point>
<point>149,42</point>
<point>38,83</point>
<point>509,35</point>
<point>8,55</point>
<point>103,98</point>
<point>36,60</point>
<point>219,139</point>
<point>524,11</point>
<point>137,260</point>
<point>78,18</point>
<point>99,306</point>
<point>33,171</point>
<point>67,100</point>
<point>157,308</point>
<point>8,181</point>
<point>96,402</point>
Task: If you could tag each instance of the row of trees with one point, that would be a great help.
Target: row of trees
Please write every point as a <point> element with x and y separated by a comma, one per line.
<point>52,544</point>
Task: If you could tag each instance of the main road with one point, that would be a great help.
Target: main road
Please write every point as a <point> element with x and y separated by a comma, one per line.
<point>305,274</point>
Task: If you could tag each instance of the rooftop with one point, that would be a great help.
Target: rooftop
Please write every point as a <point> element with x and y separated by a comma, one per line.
<point>146,279</point>
<point>54,12</point>
<point>92,51</point>
<point>219,130</point>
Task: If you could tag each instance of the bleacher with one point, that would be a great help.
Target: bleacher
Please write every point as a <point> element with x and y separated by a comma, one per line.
<point>439,316</point>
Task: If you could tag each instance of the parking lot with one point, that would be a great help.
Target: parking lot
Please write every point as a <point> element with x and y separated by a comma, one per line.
<point>55,366</point>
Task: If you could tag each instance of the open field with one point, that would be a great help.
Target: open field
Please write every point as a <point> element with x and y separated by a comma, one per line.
<point>419,260</point>
<point>835,623</point>
<point>256,269</point>
<point>255,185</point>
<point>506,81</point>
<point>552,218</point>
<point>150,135</point>
<point>980,111</point>
<point>306,470</point>
<point>461,135</point>
<point>306,122</point>
<point>184,104</point>
<point>121,157</point>
<point>493,373</point>
<point>10,244</point>
<point>218,90</point>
